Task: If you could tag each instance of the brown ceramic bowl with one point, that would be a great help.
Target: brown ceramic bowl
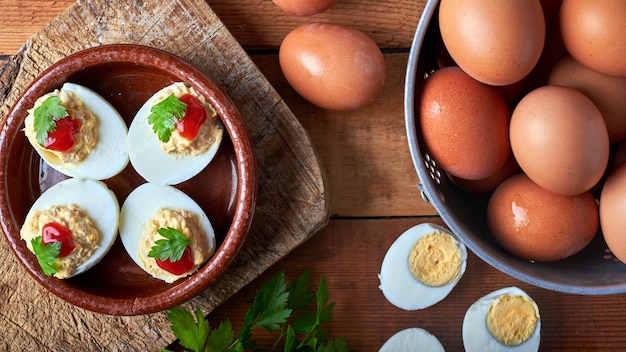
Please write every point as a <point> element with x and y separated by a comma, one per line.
<point>127,75</point>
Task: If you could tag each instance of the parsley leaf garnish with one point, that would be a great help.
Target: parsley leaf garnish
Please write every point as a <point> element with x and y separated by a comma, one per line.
<point>221,338</point>
<point>47,254</point>
<point>46,116</point>
<point>164,114</point>
<point>300,296</point>
<point>192,335</point>
<point>275,308</point>
<point>171,247</point>
<point>268,310</point>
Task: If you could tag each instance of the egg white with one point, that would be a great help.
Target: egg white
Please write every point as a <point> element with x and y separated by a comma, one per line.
<point>153,163</point>
<point>143,203</point>
<point>96,199</point>
<point>476,336</point>
<point>397,282</point>
<point>412,339</point>
<point>110,155</point>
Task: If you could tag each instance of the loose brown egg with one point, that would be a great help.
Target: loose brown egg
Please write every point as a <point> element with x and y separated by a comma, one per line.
<point>535,224</point>
<point>496,42</point>
<point>607,92</point>
<point>464,124</point>
<point>613,212</point>
<point>559,139</point>
<point>333,66</point>
<point>594,33</point>
<point>304,7</point>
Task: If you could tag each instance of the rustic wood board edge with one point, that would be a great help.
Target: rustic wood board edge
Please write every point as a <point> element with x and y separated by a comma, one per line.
<point>292,203</point>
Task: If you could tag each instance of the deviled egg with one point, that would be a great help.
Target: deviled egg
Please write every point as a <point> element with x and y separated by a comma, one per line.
<point>174,135</point>
<point>422,267</point>
<point>71,226</point>
<point>78,133</point>
<point>412,339</point>
<point>504,320</point>
<point>165,231</point>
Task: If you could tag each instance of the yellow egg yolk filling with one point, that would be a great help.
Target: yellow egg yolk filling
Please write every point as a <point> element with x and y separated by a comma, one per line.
<point>85,235</point>
<point>86,137</point>
<point>512,320</point>
<point>189,225</point>
<point>435,259</point>
<point>208,134</point>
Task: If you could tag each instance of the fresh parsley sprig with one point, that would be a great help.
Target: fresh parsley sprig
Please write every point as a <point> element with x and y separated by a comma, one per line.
<point>47,254</point>
<point>46,116</point>
<point>275,308</point>
<point>268,310</point>
<point>171,247</point>
<point>164,114</point>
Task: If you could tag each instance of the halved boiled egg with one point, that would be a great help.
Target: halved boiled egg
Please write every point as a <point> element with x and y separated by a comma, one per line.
<point>174,135</point>
<point>504,320</point>
<point>81,214</point>
<point>151,208</point>
<point>422,267</point>
<point>412,339</point>
<point>78,133</point>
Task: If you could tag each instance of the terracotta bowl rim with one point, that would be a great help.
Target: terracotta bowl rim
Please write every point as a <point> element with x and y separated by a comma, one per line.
<point>235,126</point>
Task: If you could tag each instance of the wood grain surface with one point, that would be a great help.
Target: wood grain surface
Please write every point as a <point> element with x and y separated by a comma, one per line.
<point>292,200</point>
<point>373,197</point>
<point>257,24</point>
<point>348,254</point>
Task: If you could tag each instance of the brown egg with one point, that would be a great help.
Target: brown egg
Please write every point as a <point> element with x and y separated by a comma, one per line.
<point>333,66</point>
<point>559,139</point>
<point>594,33</point>
<point>497,43</point>
<point>464,124</point>
<point>491,182</point>
<point>535,224</point>
<point>304,7</point>
<point>613,212</point>
<point>607,92</point>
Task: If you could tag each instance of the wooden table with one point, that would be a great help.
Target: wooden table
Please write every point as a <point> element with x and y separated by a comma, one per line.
<point>372,187</point>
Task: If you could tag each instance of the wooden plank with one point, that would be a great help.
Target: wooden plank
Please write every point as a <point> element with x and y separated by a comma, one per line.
<point>365,153</point>
<point>255,23</point>
<point>21,19</point>
<point>391,24</point>
<point>292,202</point>
<point>353,249</point>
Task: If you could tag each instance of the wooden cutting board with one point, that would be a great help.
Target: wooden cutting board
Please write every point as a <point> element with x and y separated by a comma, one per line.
<point>292,202</point>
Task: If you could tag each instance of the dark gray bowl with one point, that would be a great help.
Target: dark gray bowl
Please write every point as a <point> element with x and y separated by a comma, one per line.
<point>593,271</point>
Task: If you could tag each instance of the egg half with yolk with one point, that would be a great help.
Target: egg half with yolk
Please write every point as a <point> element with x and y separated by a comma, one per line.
<point>159,151</point>
<point>88,210</point>
<point>422,267</point>
<point>151,207</point>
<point>91,148</point>
<point>504,320</point>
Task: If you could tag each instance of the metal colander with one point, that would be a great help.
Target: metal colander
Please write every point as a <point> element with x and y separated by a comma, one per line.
<point>593,271</point>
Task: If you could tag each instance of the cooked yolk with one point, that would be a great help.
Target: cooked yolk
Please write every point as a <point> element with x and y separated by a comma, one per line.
<point>512,320</point>
<point>435,259</point>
